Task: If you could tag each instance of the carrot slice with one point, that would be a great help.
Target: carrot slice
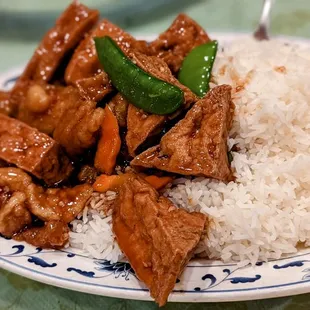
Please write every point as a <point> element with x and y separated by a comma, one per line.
<point>158,182</point>
<point>109,144</point>
<point>106,183</point>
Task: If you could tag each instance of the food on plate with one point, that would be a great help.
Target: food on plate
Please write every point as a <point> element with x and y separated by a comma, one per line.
<point>196,68</point>
<point>140,88</point>
<point>33,151</point>
<point>69,30</point>
<point>177,41</point>
<point>157,152</point>
<point>196,145</point>
<point>84,68</point>
<point>109,143</point>
<point>157,238</point>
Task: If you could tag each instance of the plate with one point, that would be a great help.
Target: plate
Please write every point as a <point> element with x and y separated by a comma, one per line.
<point>202,280</point>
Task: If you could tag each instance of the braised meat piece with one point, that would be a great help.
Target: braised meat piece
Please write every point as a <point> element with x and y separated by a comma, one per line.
<point>95,87</point>
<point>58,204</point>
<point>57,207</point>
<point>5,105</point>
<point>69,30</point>
<point>14,215</point>
<point>42,105</point>
<point>157,238</point>
<point>197,145</point>
<point>119,106</point>
<point>88,174</point>
<point>33,151</point>
<point>61,112</point>
<point>177,41</point>
<point>53,235</point>
<point>84,65</point>
<point>78,127</point>
<point>140,124</point>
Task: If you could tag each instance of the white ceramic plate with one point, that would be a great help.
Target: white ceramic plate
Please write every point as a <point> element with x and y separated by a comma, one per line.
<point>202,281</point>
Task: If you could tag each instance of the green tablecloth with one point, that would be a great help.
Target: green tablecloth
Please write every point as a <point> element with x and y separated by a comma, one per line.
<point>288,18</point>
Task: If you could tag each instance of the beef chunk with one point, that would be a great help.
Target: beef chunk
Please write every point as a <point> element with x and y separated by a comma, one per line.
<point>33,151</point>
<point>157,238</point>
<point>84,65</point>
<point>14,215</point>
<point>57,207</point>
<point>88,174</point>
<point>77,128</point>
<point>119,106</point>
<point>58,204</point>
<point>197,145</point>
<point>141,124</point>
<point>95,87</point>
<point>69,30</point>
<point>54,234</point>
<point>42,105</point>
<point>5,105</point>
<point>177,41</point>
<point>71,120</point>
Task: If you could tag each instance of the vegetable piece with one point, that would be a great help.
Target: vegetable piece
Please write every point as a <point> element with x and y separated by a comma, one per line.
<point>109,144</point>
<point>158,182</point>
<point>140,88</point>
<point>196,68</point>
<point>106,183</point>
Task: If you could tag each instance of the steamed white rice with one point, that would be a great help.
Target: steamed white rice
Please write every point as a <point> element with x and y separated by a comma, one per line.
<point>265,213</point>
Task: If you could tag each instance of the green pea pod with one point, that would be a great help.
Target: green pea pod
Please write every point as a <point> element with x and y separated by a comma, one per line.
<point>140,88</point>
<point>196,68</point>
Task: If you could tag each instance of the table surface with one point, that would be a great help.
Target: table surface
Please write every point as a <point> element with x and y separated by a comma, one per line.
<point>288,18</point>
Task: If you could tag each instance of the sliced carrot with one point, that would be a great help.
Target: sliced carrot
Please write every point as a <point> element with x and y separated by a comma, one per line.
<point>106,183</point>
<point>158,182</point>
<point>109,144</point>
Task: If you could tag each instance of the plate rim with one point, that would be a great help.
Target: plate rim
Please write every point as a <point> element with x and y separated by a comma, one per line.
<point>287,289</point>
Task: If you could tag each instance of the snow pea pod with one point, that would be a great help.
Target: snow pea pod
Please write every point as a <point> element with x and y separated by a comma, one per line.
<point>196,68</point>
<point>139,87</point>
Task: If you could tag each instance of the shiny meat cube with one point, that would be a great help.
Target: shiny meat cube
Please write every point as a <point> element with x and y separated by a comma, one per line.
<point>33,151</point>
<point>69,30</point>
<point>78,127</point>
<point>53,234</point>
<point>84,65</point>
<point>140,125</point>
<point>157,238</point>
<point>197,145</point>
<point>57,204</point>
<point>177,41</point>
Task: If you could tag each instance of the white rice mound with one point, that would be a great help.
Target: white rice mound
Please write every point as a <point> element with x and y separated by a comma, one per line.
<point>92,232</point>
<point>265,213</point>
